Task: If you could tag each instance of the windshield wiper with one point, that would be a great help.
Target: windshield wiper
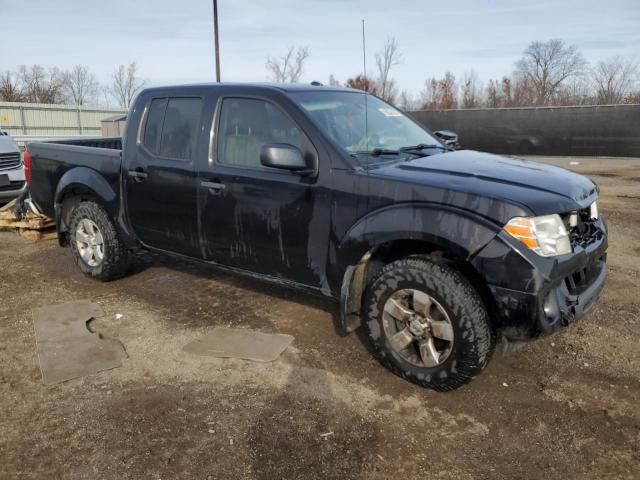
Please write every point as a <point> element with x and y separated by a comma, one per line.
<point>423,146</point>
<point>376,152</point>
<point>412,149</point>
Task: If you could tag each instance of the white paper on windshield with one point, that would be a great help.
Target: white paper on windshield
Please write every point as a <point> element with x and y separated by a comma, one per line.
<point>389,112</point>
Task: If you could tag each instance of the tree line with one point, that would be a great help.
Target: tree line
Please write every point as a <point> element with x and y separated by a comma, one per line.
<point>549,73</point>
<point>75,86</point>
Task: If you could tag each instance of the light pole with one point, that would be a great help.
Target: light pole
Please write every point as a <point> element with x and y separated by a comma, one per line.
<point>215,36</point>
<point>364,53</point>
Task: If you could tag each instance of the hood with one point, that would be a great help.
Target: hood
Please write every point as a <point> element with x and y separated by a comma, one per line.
<point>542,189</point>
<point>7,145</point>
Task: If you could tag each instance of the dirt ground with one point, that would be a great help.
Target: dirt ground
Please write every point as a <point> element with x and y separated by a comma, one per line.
<point>567,406</point>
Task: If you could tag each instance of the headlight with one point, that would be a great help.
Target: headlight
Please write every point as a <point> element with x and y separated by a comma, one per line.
<point>546,235</point>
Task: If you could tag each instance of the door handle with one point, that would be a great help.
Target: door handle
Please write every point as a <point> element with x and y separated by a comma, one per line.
<point>138,175</point>
<point>214,185</point>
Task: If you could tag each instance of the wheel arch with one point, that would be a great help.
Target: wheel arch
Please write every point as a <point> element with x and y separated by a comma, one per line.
<point>78,185</point>
<point>444,234</point>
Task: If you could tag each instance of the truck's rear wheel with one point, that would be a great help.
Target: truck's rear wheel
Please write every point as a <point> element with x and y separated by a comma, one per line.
<point>95,243</point>
<point>428,324</point>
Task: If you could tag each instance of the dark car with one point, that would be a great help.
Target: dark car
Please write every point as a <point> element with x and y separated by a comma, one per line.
<point>436,253</point>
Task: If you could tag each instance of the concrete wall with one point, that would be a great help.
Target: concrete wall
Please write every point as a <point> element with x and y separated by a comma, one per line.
<point>612,130</point>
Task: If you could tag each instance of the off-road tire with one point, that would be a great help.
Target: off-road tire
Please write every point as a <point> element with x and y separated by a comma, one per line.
<point>474,339</point>
<point>116,255</point>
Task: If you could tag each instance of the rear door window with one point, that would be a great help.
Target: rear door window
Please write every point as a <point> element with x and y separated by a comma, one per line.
<point>172,127</point>
<point>153,126</point>
<point>180,128</point>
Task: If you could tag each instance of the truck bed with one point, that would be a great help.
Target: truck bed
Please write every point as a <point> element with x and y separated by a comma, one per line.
<point>111,143</point>
<point>51,160</point>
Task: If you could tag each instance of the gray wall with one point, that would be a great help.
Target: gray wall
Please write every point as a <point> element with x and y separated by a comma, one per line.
<point>36,119</point>
<point>591,130</point>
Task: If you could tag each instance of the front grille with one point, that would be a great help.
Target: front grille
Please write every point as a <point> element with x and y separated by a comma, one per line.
<point>586,231</point>
<point>9,160</point>
<point>12,186</point>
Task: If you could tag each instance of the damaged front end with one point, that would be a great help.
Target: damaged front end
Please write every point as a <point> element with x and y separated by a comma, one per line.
<point>536,295</point>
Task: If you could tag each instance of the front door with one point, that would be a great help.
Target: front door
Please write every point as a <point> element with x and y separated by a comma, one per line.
<point>160,181</point>
<point>257,218</point>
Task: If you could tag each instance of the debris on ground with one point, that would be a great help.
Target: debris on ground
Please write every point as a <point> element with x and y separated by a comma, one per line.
<point>66,346</point>
<point>244,344</point>
<point>30,225</point>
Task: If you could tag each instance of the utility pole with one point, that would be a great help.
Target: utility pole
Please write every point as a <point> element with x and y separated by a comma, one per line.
<point>364,53</point>
<point>215,35</point>
<point>366,87</point>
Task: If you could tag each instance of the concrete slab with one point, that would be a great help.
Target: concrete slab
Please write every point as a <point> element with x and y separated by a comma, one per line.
<point>66,348</point>
<point>238,343</point>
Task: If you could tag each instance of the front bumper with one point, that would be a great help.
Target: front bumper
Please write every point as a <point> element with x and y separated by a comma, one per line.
<point>534,295</point>
<point>16,186</point>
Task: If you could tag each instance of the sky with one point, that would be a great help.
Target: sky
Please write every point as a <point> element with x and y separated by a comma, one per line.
<point>172,41</point>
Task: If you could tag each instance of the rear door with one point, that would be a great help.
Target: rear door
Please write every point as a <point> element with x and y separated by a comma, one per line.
<point>159,178</point>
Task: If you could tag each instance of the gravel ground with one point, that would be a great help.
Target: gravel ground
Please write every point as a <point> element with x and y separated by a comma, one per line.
<point>564,407</point>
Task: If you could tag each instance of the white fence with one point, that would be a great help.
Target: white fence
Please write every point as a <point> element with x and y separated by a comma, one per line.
<point>33,120</point>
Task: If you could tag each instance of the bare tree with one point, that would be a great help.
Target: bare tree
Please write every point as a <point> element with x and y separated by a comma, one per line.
<point>80,85</point>
<point>614,79</point>
<point>9,88</point>
<point>407,102</point>
<point>546,65</point>
<point>288,69</point>
<point>126,83</point>
<point>361,83</point>
<point>507,92</point>
<point>494,94</point>
<point>471,90</point>
<point>440,94</point>
<point>524,92</point>
<point>577,91</point>
<point>389,57</point>
<point>449,91</point>
<point>429,94</point>
<point>39,85</point>
<point>333,82</point>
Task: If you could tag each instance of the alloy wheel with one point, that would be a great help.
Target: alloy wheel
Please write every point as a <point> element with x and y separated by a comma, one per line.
<point>418,327</point>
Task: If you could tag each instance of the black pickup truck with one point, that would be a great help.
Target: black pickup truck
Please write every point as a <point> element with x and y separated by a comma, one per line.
<point>438,253</point>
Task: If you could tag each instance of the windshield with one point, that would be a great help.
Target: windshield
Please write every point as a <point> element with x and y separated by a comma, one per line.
<point>380,128</point>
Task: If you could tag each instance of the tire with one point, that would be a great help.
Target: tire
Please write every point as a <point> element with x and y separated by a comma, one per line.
<point>456,312</point>
<point>114,260</point>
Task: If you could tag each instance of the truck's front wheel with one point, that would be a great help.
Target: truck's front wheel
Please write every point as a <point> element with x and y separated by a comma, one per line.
<point>428,324</point>
<point>95,243</point>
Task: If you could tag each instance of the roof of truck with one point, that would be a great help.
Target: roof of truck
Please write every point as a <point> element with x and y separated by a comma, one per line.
<point>284,87</point>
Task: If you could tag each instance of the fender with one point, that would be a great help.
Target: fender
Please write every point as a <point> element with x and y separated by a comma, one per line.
<point>83,178</point>
<point>455,230</point>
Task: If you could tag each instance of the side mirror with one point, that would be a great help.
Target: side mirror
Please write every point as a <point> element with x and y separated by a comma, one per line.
<point>284,156</point>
